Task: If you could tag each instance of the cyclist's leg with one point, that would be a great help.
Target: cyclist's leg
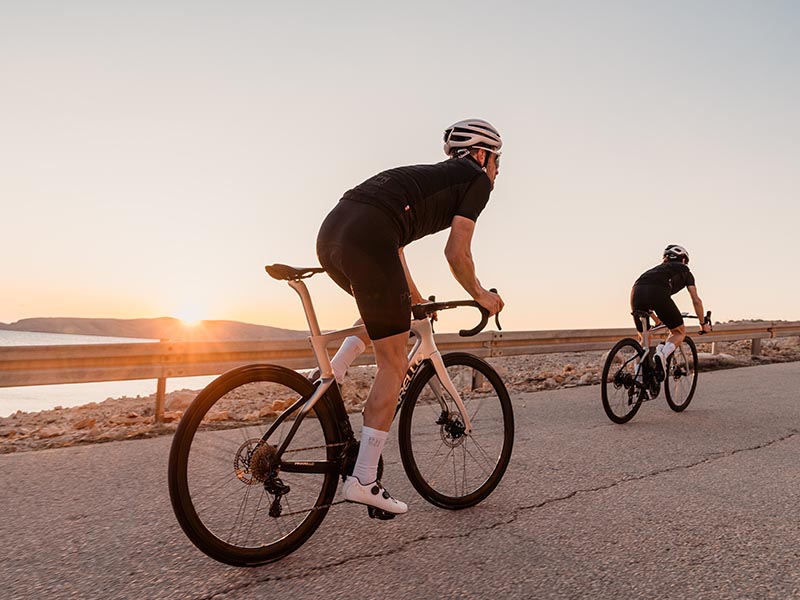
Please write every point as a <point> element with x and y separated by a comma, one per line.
<point>384,304</point>
<point>671,316</point>
<point>358,246</point>
<point>676,337</point>
<point>639,301</point>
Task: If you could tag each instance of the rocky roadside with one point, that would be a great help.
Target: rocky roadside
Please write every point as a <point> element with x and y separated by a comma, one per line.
<point>131,418</point>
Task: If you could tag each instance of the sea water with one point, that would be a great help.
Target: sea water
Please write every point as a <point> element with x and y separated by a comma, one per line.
<point>43,397</point>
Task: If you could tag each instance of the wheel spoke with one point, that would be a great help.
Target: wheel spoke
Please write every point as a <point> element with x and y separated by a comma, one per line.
<point>681,376</point>
<point>621,373</point>
<point>448,466</point>
<point>227,487</point>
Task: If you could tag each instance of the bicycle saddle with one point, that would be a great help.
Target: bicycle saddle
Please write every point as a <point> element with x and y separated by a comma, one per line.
<point>288,273</point>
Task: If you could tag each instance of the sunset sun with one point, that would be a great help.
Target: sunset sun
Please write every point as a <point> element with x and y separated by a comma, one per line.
<point>190,316</point>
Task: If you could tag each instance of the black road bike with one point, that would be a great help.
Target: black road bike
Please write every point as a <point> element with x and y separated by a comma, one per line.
<point>630,376</point>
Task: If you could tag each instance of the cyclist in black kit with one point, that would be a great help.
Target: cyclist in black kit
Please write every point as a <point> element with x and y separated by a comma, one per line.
<point>652,291</point>
<point>360,244</point>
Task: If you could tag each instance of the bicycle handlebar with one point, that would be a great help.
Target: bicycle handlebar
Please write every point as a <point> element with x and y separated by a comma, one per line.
<point>707,320</point>
<point>422,311</point>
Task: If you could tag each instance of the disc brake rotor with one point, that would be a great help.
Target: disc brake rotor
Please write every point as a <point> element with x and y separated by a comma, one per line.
<point>255,461</point>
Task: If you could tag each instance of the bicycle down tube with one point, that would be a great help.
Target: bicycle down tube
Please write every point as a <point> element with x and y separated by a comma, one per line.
<point>423,348</point>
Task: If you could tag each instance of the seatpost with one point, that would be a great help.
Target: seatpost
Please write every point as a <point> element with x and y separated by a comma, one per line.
<point>645,332</point>
<point>318,342</point>
<point>302,291</point>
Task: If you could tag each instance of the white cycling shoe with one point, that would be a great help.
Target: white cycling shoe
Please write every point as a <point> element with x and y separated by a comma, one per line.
<point>372,494</point>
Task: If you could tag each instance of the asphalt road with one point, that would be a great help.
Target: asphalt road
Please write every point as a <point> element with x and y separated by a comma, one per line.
<point>702,504</point>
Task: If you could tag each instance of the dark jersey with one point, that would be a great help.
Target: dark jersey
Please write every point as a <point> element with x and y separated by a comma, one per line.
<point>671,275</point>
<point>423,199</point>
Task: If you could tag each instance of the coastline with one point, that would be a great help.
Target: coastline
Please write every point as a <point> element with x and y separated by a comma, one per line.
<point>131,418</point>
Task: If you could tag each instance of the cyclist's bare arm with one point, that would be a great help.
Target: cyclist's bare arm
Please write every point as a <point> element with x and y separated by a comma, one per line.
<point>698,306</point>
<point>458,252</point>
<point>416,297</point>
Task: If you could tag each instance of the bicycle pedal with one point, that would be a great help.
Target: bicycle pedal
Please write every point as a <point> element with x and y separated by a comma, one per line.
<point>377,513</point>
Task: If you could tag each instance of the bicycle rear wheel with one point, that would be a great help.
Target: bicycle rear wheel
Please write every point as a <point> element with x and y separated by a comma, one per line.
<point>447,466</point>
<point>234,500</point>
<point>621,397</point>
<point>681,379</point>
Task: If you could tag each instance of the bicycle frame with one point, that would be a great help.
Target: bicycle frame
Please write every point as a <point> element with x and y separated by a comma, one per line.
<point>424,348</point>
<point>647,331</point>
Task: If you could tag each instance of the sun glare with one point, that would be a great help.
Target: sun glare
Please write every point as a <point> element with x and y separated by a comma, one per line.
<point>190,317</point>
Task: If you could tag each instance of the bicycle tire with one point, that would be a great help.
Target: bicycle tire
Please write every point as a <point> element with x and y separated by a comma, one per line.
<point>431,445</point>
<point>218,486</point>
<point>681,379</point>
<point>621,398</point>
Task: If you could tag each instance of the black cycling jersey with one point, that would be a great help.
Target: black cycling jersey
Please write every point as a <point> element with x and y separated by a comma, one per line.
<point>423,199</point>
<point>359,240</point>
<point>671,275</point>
<point>653,289</point>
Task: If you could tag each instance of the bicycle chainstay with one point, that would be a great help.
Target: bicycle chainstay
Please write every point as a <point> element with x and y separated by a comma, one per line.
<point>345,459</point>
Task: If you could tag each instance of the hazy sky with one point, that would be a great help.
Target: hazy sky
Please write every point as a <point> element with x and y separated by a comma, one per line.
<point>155,155</point>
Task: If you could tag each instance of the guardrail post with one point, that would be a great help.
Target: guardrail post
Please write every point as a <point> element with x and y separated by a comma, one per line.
<point>755,347</point>
<point>161,393</point>
<point>714,349</point>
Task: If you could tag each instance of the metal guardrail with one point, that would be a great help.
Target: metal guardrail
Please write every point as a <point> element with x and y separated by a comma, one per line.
<point>46,365</point>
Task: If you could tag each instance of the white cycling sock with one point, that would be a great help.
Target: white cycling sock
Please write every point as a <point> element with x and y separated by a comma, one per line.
<point>667,349</point>
<point>369,453</point>
<point>351,347</point>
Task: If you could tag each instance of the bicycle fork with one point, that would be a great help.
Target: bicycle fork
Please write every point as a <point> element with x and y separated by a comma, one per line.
<point>425,348</point>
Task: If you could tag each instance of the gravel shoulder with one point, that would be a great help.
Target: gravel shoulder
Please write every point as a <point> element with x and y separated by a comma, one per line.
<point>131,418</point>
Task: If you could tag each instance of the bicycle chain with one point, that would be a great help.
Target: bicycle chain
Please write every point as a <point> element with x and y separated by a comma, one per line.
<point>322,506</point>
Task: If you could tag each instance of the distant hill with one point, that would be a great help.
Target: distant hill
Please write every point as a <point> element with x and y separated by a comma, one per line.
<point>164,328</point>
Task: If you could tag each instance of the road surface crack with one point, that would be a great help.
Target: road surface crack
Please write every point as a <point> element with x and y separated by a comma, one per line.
<point>714,457</point>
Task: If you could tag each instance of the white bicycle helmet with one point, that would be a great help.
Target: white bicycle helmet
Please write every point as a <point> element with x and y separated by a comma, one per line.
<point>471,133</point>
<point>675,252</point>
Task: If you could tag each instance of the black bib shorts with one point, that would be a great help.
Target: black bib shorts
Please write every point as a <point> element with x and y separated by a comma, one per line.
<point>358,246</point>
<point>658,299</point>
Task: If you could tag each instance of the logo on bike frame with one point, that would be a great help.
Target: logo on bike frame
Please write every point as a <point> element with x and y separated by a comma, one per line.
<point>409,376</point>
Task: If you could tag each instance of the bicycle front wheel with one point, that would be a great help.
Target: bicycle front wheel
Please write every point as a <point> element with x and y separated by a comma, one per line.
<point>234,499</point>
<point>681,379</point>
<point>622,370</point>
<point>449,467</point>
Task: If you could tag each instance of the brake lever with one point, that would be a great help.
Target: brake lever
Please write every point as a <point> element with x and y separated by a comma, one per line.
<point>497,314</point>
<point>708,320</point>
<point>432,298</point>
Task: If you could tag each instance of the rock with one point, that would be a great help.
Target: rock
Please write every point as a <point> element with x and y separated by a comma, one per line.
<point>502,370</point>
<point>86,423</point>
<point>180,400</point>
<point>48,431</point>
<point>170,416</point>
